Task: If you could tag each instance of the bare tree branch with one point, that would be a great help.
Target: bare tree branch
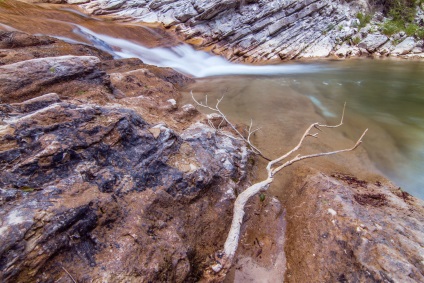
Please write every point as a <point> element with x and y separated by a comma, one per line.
<point>217,110</point>
<point>225,257</point>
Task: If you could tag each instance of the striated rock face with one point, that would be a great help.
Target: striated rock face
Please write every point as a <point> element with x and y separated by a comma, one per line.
<point>262,30</point>
<point>32,77</point>
<point>100,187</point>
<point>243,30</point>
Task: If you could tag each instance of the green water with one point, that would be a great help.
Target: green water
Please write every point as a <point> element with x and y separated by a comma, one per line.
<point>385,96</point>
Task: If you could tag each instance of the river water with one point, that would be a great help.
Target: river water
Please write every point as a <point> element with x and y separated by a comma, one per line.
<point>385,96</point>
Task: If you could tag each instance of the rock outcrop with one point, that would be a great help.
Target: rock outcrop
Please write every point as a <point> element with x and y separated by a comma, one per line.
<point>260,30</point>
<point>354,231</point>
<point>118,185</point>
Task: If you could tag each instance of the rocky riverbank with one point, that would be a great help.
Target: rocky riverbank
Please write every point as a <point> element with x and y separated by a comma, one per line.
<point>106,176</point>
<point>256,31</point>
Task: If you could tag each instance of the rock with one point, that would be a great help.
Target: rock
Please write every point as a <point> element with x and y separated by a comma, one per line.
<point>27,79</point>
<point>355,231</point>
<point>36,103</point>
<point>91,181</point>
<point>130,64</point>
<point>77,1</point>
<point>386,48</point>
<point>344,51</point>
<point>243,30</point>
<point>404,47</point>
<point>321,48</point>
<point>187,112</point>
<point>18,46</point>
<point>91,189</point>
<point>416,50</point>
<point>18,39</point>
<point>155,132</point>
<point>372,42</point>
<point>253,31</point>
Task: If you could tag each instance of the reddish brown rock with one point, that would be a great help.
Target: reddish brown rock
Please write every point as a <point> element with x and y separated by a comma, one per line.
<point>93,190</point>
<point>343,229</point>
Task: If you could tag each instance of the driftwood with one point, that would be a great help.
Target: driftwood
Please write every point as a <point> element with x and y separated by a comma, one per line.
<point>225,257</point>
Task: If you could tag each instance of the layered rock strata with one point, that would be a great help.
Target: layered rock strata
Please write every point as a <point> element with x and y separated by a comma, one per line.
<point>260,30</point>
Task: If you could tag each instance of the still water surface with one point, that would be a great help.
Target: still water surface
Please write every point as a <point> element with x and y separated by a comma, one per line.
<point>385,96</point>
<point>390,95</point>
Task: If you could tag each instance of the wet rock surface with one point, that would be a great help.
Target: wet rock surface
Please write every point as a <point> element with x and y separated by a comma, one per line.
<point>253,31</point>
<point>98,186</point>
<point>354,231</point>
<point>110,179</point>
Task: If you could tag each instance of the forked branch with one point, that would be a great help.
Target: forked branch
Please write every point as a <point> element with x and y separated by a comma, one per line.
<point>225,257</point>
<point>217,110</point>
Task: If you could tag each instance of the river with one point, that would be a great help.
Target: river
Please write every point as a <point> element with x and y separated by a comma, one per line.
<point>385,96</point>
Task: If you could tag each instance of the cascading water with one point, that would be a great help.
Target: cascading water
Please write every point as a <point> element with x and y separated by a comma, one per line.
<point>186,59</point>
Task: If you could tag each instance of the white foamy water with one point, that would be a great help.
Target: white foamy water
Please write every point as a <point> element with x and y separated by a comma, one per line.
<point>186,59</point>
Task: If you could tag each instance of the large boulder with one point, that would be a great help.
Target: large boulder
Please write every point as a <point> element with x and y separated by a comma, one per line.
<point>404,47</point>
<point>373,41</point>
<point>354,231</point>
<point>99,180</point>
<point>30,78</point>
<point>94,191</point>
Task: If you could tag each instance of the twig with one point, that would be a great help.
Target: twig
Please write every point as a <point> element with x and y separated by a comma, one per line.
<point>72,278</point>
<point>217,110</point>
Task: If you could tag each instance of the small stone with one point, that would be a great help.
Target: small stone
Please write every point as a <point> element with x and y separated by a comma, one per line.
<point>155,132</point>
<point>185,168</point>
<point>173,102</point>
<point>332,212</point>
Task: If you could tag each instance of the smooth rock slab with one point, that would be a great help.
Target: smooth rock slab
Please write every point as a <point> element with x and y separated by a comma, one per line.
<point>405,46</point>
<point>373,41</point>
<point>26,79</point>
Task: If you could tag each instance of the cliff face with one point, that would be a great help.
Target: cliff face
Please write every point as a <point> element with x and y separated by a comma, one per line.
<point>266,30</point>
